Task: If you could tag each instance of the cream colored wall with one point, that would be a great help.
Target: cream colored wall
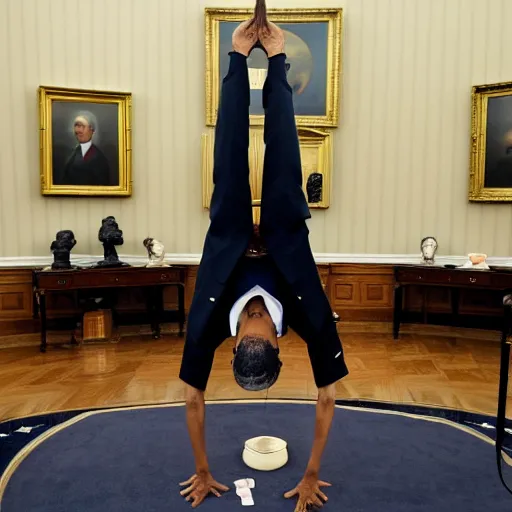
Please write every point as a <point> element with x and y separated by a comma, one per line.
<point>401,151</point>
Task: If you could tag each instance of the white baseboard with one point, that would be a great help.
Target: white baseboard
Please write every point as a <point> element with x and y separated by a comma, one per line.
<point>194,259</point>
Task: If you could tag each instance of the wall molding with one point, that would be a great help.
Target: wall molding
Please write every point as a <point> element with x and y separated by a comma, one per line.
<point>194,259</point>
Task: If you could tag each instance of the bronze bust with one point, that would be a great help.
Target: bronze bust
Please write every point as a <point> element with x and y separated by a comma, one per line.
<point>61,248</point>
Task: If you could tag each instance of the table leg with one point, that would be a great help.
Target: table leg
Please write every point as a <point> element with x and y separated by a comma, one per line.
<point>455,295</point>
<point>397,312</point>
<point>424,298</point>
<point>42,312</point>
<point>181,307</point>
<point>159,310</point>
<point>154,306</point>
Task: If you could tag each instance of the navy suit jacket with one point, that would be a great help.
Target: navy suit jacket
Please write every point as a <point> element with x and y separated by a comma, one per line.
<point>284,211</point>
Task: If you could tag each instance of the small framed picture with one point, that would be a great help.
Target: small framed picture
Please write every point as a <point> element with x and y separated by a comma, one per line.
<point>316,160</point>
<point>491,143</point>
<point>313,46</point>
<point>85,142</point>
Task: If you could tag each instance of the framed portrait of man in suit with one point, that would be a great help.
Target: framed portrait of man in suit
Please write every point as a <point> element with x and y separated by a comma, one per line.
<point>491,143</point>
<point>85,142</point>
<point>313,46</point>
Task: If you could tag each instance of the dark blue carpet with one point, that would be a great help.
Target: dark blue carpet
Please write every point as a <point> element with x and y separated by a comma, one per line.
<point>132,460</point>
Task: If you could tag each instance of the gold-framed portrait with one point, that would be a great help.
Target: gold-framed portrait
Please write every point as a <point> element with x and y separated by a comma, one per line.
<point>84,142</point>
<point>316,160</point>
<point>491,143</point>
<point>313,45</point>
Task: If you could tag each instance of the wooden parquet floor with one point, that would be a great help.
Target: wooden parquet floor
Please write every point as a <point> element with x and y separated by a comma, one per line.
<point>438,367</point>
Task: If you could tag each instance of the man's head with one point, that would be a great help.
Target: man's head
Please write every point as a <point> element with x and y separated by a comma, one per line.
<point>256,364</point>
<point>84,127</point>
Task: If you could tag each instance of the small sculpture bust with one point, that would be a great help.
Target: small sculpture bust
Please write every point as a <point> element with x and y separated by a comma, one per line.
<point>61,248</point>
<point>156,252</point>
<point>428,250</point>
<point>110,235</point>
<point>314,188</point>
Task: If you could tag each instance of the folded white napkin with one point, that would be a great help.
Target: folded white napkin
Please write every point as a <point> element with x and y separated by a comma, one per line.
<point>243,489</point>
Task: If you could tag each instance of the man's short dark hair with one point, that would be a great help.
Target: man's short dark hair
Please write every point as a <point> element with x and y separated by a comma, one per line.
<point>256,364</point>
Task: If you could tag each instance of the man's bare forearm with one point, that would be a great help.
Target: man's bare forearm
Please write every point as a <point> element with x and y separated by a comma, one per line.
<point>324,415</point>
<point>195,424</point>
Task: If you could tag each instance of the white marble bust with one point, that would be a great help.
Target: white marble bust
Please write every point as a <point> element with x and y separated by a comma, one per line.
<point>428,250</point>
<point>156,252</point>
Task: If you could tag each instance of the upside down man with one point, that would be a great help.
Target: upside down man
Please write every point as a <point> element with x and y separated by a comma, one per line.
<point>255,299</point>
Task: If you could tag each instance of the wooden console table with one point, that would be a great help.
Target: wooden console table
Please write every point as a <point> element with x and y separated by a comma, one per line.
<point>453,278</point>
<point>155,279</point>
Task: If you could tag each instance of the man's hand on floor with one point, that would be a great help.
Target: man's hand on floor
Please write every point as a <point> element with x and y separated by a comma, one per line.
<point>199,486</point>
<point>309,493</point>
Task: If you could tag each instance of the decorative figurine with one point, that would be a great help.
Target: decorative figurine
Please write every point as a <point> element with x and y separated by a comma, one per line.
<point>110,235</point>
<point>428,250</point>
<point>314,187</point>
<point>476,261</point>
<point>156,252</point>
<point>61,248</point>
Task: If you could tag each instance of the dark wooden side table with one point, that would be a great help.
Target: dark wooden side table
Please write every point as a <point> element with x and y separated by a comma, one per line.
<point>154,279</point>
<point>453,278</point>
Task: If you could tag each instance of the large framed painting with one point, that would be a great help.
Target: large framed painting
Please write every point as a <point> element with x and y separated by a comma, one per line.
<point>316,160</point>
<point>85,142</point>
<point>313,45</point>
<point>491,143</point>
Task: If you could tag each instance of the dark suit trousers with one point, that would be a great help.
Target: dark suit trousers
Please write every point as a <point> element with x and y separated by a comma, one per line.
<point>283,204</point>
<point>283,200</point>
<point>230,207</point>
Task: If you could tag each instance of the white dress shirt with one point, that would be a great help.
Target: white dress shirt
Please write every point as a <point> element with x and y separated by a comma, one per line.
<point>85,147</point>
<point>274,307</point>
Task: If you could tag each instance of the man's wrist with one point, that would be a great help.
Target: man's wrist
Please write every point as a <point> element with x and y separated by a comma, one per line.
<point>239,54</point>
<point>277,55</point>
<point>311,472</point>
<point>202,470</point>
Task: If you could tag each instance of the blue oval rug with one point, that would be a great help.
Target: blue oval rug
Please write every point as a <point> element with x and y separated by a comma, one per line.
<point>131,460</point>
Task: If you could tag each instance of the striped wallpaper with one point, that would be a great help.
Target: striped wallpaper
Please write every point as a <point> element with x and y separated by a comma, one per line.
<point>401,152</point>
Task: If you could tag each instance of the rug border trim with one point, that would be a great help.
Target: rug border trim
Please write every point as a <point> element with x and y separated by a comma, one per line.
<point>26,450</point>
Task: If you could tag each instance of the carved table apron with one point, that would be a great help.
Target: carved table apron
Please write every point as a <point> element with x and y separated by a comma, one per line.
<point>455,278</point>
<point>106,278</point>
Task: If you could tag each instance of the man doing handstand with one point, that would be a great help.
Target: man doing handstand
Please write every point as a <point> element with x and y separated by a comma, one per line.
<point>256,299</point>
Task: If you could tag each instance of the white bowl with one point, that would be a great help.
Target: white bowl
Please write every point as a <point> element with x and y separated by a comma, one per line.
<point>265,453</point>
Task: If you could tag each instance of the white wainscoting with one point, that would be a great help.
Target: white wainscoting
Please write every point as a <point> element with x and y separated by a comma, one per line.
<point>194,259</point>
